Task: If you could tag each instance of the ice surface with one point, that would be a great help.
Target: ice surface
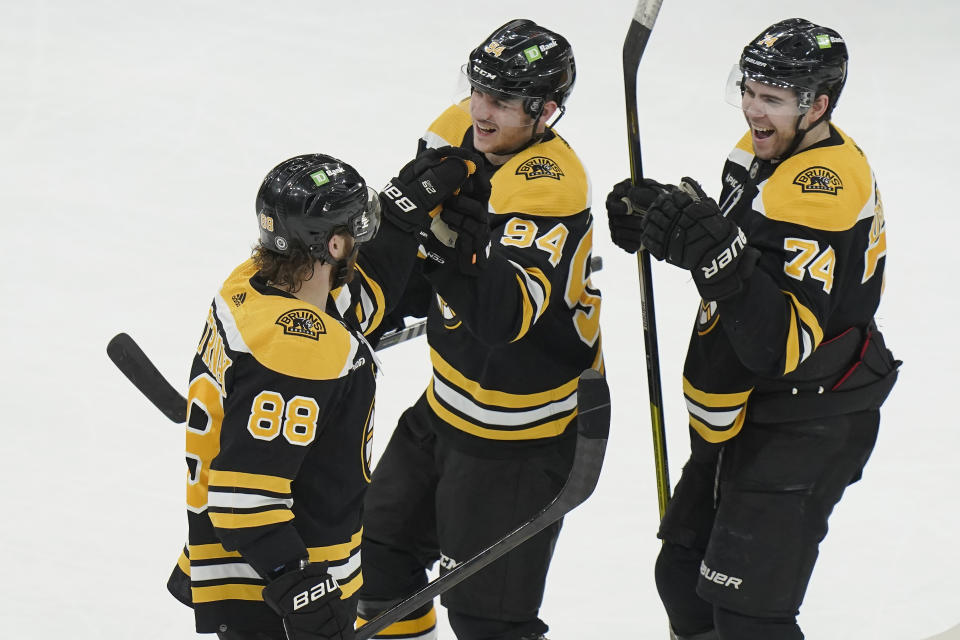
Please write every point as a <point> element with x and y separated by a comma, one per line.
<point>135,134</point>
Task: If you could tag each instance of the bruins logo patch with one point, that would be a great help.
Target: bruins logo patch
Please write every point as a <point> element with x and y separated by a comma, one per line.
<point>302,322</point>
<point>818,180</point>
<point>540,167</point>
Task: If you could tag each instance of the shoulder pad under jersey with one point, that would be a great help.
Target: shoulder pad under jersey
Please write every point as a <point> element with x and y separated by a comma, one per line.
<point>828,188</point>
<point>448,130</point>
<point>286,335</point>
<point>545,179</point>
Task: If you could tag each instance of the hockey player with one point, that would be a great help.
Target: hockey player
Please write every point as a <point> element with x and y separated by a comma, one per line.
<point>513,320</point>
<point>280,412</point>
<point>785,370</point>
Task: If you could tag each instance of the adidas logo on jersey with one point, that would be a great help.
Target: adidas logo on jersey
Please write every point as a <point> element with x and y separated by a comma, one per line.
<point>239,298</point>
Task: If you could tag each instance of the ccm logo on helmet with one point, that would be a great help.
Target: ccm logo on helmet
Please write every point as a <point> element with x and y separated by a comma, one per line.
<point>403,203</point>
<point>316,592</point>
<point>725,258</point>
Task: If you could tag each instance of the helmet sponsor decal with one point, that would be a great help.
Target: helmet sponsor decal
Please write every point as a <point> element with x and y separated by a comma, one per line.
<point>818,180</point>
<point>281,243</point>
<point>823,41</point>
<point>769,41</point>
<point>494,49</point>
<point>301,322</point>
<point>320,178</point>
<point>540,167</point>
<point>532,53</point>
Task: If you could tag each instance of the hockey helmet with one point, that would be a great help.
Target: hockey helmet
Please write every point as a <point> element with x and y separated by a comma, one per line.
<point>794,54</point>
<point>523,60</point>
<point>308,198</point>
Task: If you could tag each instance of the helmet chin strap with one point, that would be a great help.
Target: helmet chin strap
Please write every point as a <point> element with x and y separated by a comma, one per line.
<point>534,136</point>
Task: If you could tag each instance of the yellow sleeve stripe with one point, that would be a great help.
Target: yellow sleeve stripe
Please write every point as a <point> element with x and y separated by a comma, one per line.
<point>545,430</point>
<point>184,563</point>
<point>527,310</point>
<point>413,627</point>
<point>241,480</point>
<point>335,551</point>
<point>211,552</point>
<point>792,351</point>
<point>379,303</point>
<point>535,296</point>
<point>246,520</point>
<point>227,592</point>
<point>347,589</point>
<point>714,399</point>
<point>802,319</point>
<point>499,398</point>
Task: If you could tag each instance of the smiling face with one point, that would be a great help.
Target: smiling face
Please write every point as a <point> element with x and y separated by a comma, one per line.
<point>773,114</point>
<point>500,125</point>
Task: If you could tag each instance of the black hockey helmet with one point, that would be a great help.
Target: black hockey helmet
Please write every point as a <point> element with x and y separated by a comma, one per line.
<point>308,198</point>
<point>524,60</point>
<point>799,55</point>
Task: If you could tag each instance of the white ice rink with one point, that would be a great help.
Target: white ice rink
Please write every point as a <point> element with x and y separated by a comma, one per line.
<point>134,135</point>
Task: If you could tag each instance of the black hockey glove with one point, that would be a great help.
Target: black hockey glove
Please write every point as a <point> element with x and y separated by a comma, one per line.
<point>469,219</point>
<point>413,198</point>
<point>687,229</point>
<point>308,600</point>
<point>626,206</point>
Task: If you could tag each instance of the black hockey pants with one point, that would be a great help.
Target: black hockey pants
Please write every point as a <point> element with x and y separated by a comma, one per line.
<point>738,554</point>
<point>429,501</point>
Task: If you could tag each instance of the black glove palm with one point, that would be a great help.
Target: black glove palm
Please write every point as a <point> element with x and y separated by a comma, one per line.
<point>309,602</point>
<point>470,219</point>
<point>413,198</point>
<point>687,229</point>
<point>626,206</point>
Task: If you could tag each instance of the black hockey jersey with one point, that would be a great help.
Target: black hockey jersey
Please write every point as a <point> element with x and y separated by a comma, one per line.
<point>817,219</point>
<point>279,429</point>
<point>507,347</point>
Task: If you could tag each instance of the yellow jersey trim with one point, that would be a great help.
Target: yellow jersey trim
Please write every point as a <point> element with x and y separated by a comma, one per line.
<point>499,398</point>
<point>545,430</point>
<point>242,480</point>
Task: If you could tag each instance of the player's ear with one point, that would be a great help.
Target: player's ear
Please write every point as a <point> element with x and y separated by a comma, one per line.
<point>549,108</point>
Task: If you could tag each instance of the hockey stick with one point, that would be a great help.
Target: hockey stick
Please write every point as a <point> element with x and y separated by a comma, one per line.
<point>633,46</point>
<point>593,424</point>
<point>134,363</point>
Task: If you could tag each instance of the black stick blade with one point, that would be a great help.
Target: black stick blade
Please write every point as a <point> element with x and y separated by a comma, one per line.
<point>134,363</point>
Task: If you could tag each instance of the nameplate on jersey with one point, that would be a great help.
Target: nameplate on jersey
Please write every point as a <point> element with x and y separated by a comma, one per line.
<point>818,180</point>
<point>302,322</point>
<point>540,167</point>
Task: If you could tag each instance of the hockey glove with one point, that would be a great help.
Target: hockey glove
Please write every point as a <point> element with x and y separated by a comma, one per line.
<point>687,229</point>
<point>626,206</point>
<point>469,220</point>
<point>308,600</point>
<point>413,198</point>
